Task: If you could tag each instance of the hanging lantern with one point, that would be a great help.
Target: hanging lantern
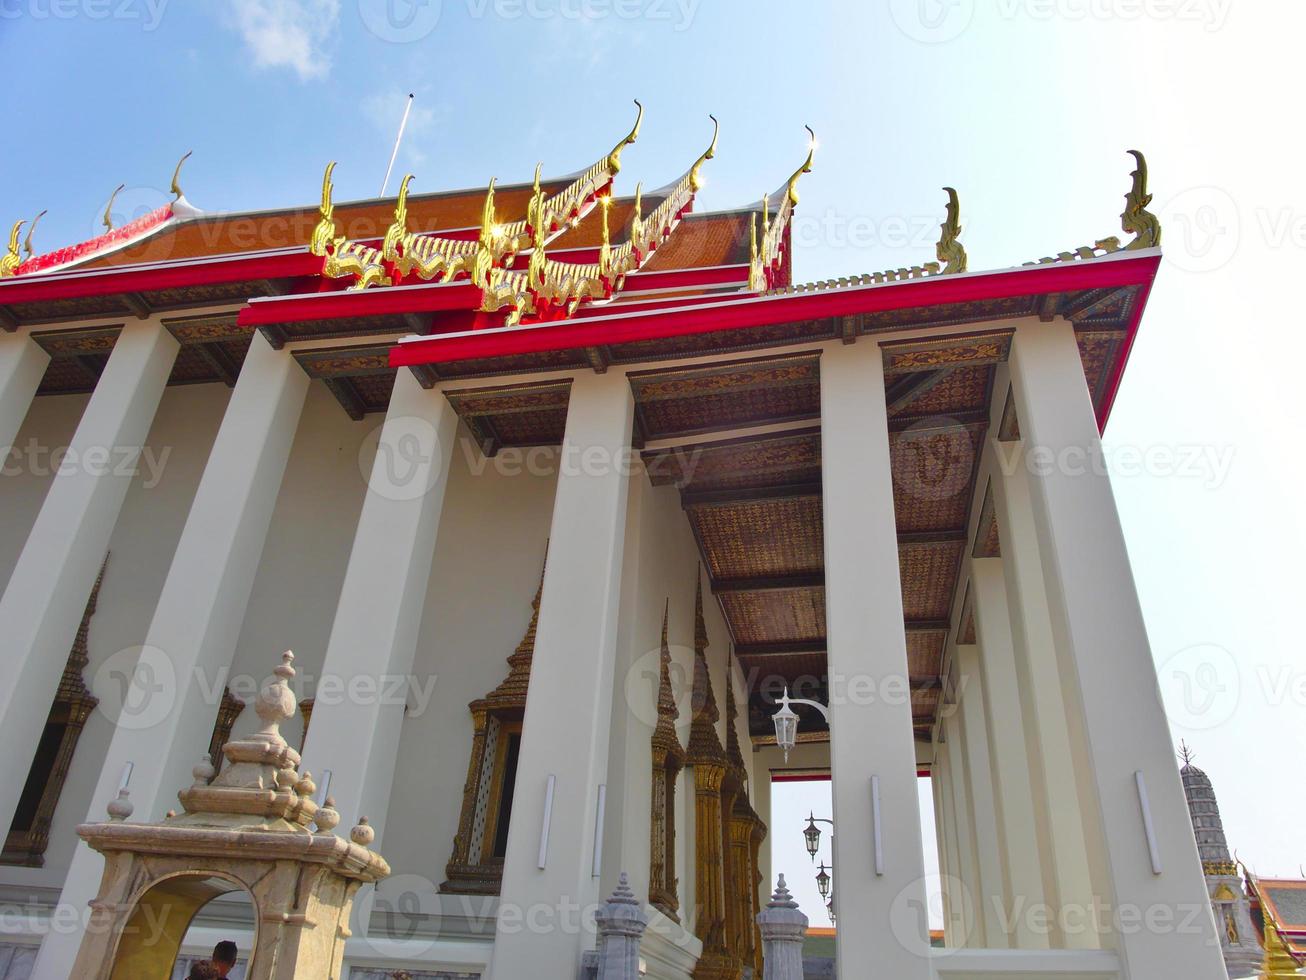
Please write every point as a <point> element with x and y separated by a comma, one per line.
<point>786,726</point>
<point>823,882</point>
<point>813,836</point>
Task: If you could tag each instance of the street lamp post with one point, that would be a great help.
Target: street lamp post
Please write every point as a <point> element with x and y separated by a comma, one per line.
<point>786,736</point>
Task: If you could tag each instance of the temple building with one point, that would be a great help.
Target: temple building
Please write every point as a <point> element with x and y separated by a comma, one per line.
<point>1258,918</point>
<point>556,488</point>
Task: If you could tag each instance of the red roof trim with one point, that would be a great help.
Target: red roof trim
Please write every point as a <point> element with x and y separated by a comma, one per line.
<point>756,311</point>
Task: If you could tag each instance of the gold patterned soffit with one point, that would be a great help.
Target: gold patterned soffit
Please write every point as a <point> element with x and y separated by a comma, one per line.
<point>12,259</point>
<point>1135,220</point>
<point>764,257</point>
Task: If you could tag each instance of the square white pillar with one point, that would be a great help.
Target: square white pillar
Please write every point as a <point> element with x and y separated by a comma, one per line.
<point>966,876</point>
<point>990,896</point>
<point>1023,853</point>
<point>42,605</point>
<point>1053,771</point>
<point>22,364</point>
<point>879,861</point>
<point>361,696</point>
<point>192,636</point>
<point>548,871</point>
<point>1118,728</point>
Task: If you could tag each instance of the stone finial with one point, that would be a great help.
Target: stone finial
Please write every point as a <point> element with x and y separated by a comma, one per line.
<point>306,786</point>
<point>276,702</point>
<point>120,807</point>
<point>621,922</point>
<point>782,899</point>
<point>362,834</point>
<point>204,772</point>
<point>784,928</point>
<point>327,817</point>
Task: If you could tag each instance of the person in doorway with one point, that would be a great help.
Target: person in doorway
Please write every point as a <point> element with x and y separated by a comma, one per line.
<point>203,970</point>
<point>224,957</point>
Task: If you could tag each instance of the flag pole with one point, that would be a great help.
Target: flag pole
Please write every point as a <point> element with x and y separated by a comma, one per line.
<point>395,152</point>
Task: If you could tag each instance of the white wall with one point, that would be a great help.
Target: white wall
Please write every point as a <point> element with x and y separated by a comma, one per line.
<point>140,549</point>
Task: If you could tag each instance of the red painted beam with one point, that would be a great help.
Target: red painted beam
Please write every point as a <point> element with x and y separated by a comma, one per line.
<point>742,314</point>
<point>366,302</point>
<point>130,279</point>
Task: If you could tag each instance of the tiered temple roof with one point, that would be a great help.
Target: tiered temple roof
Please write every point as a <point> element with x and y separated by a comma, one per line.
<point>565,274</point>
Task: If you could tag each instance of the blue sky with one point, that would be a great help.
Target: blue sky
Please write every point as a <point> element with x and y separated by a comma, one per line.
<point>1026,106</point>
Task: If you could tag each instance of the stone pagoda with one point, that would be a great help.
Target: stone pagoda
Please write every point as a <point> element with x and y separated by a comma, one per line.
<point>247,829</point>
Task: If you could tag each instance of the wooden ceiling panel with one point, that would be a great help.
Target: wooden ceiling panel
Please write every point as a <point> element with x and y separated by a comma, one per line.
<point>778,616</point>
<point>760,538</point>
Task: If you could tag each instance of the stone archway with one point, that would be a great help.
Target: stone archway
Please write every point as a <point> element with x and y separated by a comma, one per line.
<point>255,828</point>
<point>161,914</point>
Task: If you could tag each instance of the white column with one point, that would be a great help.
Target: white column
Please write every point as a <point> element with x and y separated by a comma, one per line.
<point>22,364</point>
<point>883,896</point>
<point>949,860</point>
<point>1052,764</point>
<point>199,614</point>
<point>1117,724</point>
<point>374,635</point>
<point>963,830</point>
<point>1022,851</point>
<point>983,812</point>
<point>548,876</point>
<point>42,605</point>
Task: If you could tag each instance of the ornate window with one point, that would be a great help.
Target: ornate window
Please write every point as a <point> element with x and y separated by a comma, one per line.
<point>668,760</point>
<point>476,865</point>
<point>29,834</point>
<point>229,710</point>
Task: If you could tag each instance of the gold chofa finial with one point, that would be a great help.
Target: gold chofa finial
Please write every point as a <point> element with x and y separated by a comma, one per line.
<point>10,261</point>
<point>176,177</point>
<point>1136,219</point>
<point>806,168</point>
<point>614,158</point>
<point>695,174</point>
<point>950,251</point>
<point>28,250</point>
<point>108,208</point>
<point>399,227</point>
<point>325,231</point>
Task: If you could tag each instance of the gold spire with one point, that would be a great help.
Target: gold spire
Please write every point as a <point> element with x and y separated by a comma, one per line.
<point>10,261</point>
<point>512,691</point>
<point>664,733</point>
<point>695,172</point>
<point>31,229</point>
<point>1136,219</point>
<point>733,753</point>
<point>614,158</point>
<point>483,261</point>
<point>108,208</point>
<point>950,251</point>
<point>1279,961</point>
<point>806,168</point>
<point>399,226</point>
<point>176,176</point>
<point>325,231</point>
<point>605,250</point>
<point>704,744</point>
